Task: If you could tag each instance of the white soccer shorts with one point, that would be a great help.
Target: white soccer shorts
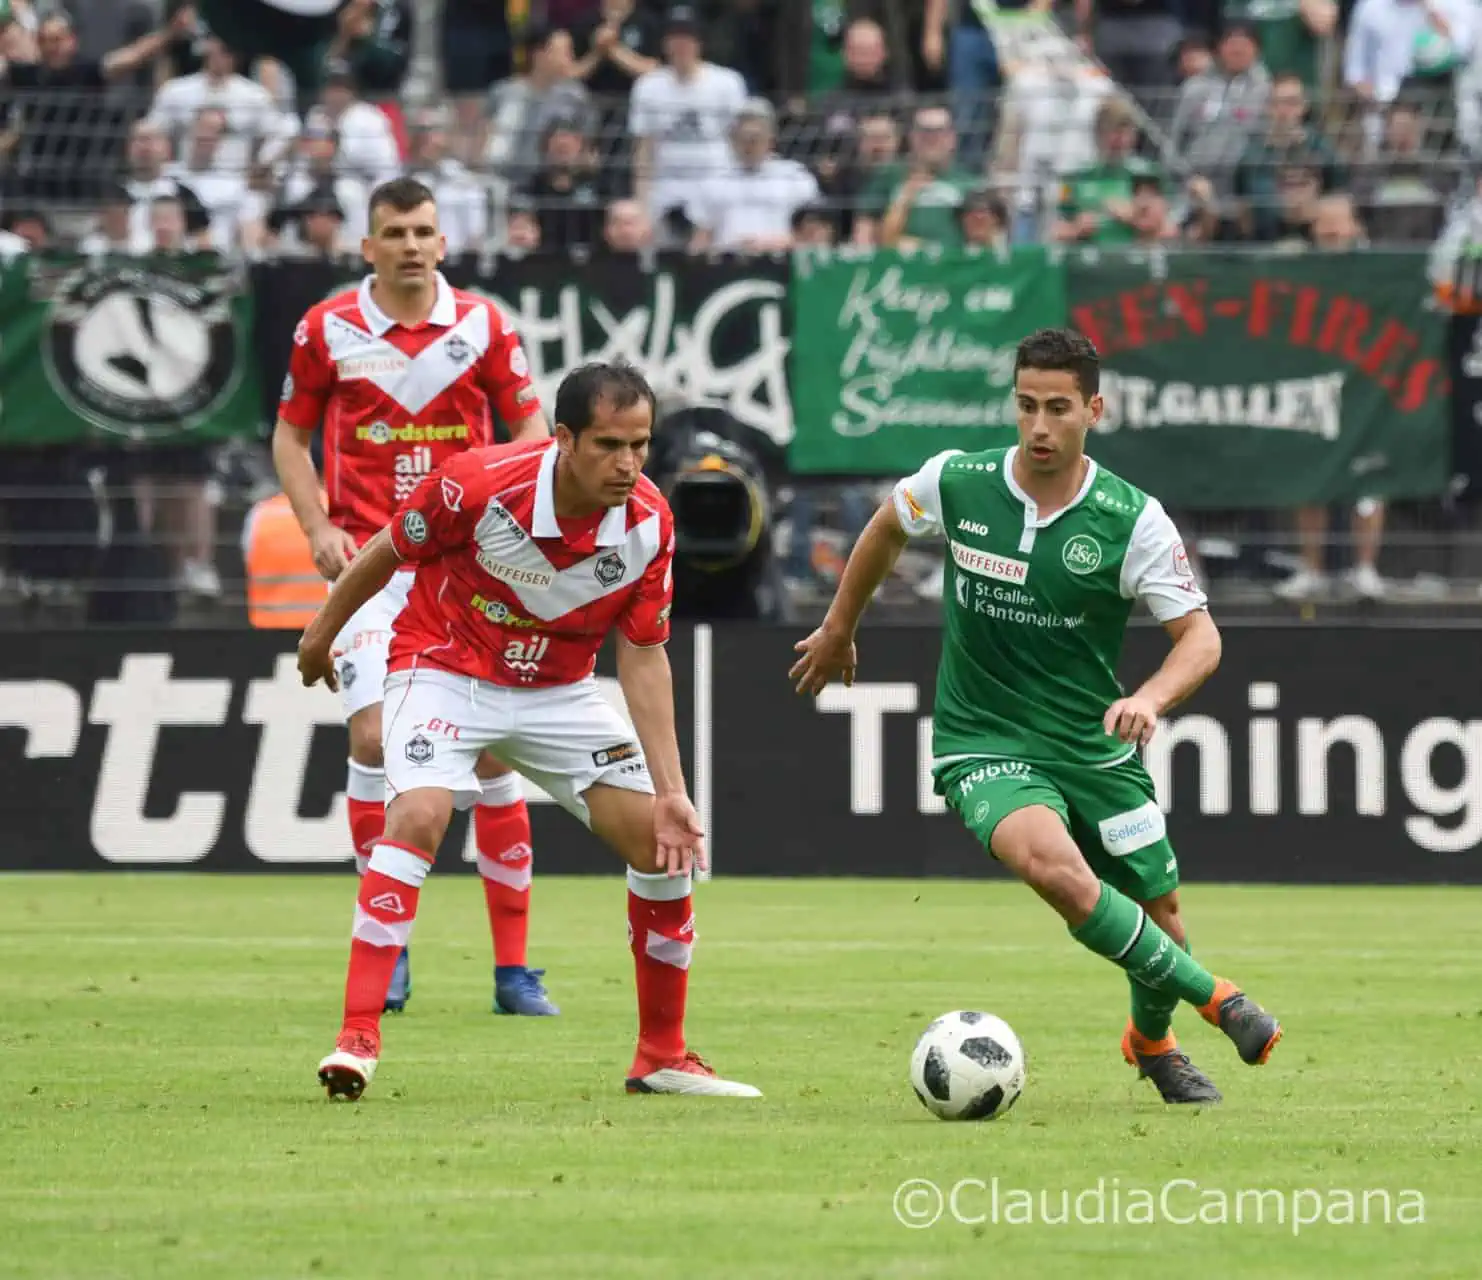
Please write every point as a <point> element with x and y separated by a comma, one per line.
<point>365,644</point>
<point>565,739</point>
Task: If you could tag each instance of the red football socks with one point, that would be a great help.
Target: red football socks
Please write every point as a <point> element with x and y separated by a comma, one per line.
<point>661,932</point>
<point>385,909</point>
<point>365,798</point>
<point>501,824</point>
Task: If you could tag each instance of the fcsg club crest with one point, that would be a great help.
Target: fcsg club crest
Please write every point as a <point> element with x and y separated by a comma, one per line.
<point>610,569</point>
<point>140,351</point>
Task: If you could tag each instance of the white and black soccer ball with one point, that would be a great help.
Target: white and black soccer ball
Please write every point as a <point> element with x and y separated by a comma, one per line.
<point>968,1066</point>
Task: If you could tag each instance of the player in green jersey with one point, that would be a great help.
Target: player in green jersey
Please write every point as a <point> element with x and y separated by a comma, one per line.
<point>1035,745</point>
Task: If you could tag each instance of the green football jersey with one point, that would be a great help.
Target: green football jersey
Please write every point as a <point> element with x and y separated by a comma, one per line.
<point>1036,609</point>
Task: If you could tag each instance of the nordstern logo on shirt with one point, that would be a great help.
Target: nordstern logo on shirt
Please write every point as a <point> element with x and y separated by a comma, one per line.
<point>987,565</point>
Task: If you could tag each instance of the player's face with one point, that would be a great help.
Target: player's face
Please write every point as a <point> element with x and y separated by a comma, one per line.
<point>607,458</point>
<point>1053,418</point>
<point>404,248</point>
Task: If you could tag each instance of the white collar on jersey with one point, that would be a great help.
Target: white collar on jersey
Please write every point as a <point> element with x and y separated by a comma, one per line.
<point>1032,517</point>
<point>612,532</point>
<point>444,308</point>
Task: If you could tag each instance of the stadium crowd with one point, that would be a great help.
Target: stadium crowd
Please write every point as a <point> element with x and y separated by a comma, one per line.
<point>747,124</point>
<point>739,126</point>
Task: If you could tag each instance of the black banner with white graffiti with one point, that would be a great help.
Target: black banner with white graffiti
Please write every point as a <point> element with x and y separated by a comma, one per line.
<point>202,750</point>
<point>701,329</point>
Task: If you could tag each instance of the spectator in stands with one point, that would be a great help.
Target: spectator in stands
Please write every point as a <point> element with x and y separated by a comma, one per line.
<point>614,48</point>
<point>521,228</point>
<point>1192,57</point>
<point>114,232</point>
<point>522,108</point>
<point>367,148</point>
<point>814,226</point>
<point>817,51</point>
<point>1288,140</point>
<point>972,62</point>
<point>314,166</point>
<point>148,177</point>
<point>220,186</point>
<point>375,38</point>
<point>1335,225</point>
<point>848,167</point>
<point>1403,192</point>
<point>1052,102</point>
<point>1096,202</point>
<point>31,227</point>
<point>477,51</point>
<point>255,127</point>
<point>316,225</point>
<point>681,117</point>
<point>868,83</point>
<point>462,200</point>
<point>1151,221</point>
<point>749,205</point>
<point>1292,34</point>
<point>627,228</point>
<point>168,232</point>
<point>1220,111</point>
<point>1389,41</point>
<point>571,189</point>
<point>917,202</point>
<point>985,220</point>
<point>61,127</point>
<point>1135,40</point>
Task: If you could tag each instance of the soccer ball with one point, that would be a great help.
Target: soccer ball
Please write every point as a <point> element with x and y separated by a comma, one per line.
<point>968,1066</point>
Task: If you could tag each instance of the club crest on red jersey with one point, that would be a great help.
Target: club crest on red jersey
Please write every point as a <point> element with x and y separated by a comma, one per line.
<point>610,569</point>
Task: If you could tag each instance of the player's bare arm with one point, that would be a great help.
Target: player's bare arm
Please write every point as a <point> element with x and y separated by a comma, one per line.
<point>1192,660</point>
<point>367,574</point>
<point>829,653</point>
<point>648,688</point>
<point>535,427</point>
<point>333,548</point>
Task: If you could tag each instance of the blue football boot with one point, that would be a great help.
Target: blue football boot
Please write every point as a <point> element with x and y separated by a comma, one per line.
<point>519,990</point>
<point>400,990</point>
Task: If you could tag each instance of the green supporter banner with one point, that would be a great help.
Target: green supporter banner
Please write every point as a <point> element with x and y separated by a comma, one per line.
<point>1240,381</point>
<point>138,351</point>
<point>898,357</point>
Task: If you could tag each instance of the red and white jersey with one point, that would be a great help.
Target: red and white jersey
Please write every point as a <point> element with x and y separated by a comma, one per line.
<point>509,592</point>
<point>395,403</point>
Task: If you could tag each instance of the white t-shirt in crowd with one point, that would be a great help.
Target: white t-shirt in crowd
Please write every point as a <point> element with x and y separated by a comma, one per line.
<point>738,203</point>
<point>688,123</point>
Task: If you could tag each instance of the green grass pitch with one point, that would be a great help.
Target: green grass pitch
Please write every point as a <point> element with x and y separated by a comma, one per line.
<point>159,1115</point>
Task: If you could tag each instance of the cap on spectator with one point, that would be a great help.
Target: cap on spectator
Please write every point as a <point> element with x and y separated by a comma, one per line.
<point>682,19</point>
<point>322,199</point>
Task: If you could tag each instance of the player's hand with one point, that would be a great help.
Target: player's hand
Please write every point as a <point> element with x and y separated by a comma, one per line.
<point>1132,719</point>
<point>317,662</point>
<point>333,549</point>
<point>828,655</point>
<point>679,836</point>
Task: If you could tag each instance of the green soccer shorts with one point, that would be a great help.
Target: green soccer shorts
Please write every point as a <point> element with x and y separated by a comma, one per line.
<point>1111,813</point>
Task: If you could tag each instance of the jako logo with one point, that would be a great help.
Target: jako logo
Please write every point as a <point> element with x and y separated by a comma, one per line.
<point>388,902</point>
<point>972,526</point>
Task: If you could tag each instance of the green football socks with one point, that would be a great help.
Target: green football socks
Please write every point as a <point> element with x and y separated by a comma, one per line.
<point>1152,1011</point>
<point>1122,932</point>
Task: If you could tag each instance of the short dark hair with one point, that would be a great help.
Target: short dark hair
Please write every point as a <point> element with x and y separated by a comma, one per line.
<point>1062,350</point>
<point>401,195</point>
<point>620,384</point>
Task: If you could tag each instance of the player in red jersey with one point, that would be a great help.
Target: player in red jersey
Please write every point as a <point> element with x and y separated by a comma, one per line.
<point>402,373</point>
<point>526,556</point>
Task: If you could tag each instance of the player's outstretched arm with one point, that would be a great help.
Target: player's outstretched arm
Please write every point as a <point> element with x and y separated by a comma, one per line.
<point>368,573</point>
<point>829,653</point>
<point>648,688</point>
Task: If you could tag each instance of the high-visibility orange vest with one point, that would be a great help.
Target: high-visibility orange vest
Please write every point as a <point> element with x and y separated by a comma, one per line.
<point>284,590</point>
